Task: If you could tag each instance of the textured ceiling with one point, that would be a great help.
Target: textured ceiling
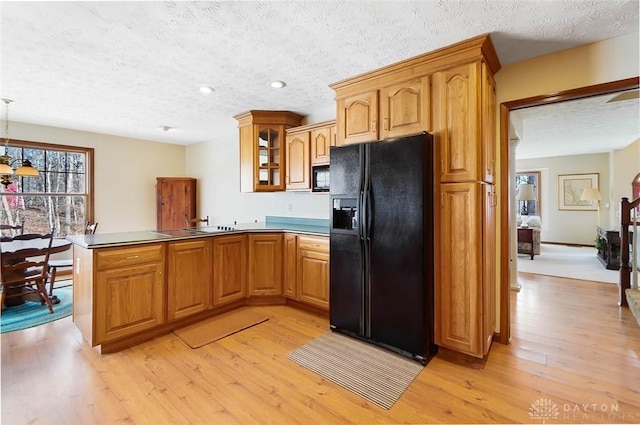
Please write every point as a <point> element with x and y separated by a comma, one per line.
<point>583,126</point>
<point>129,68</point>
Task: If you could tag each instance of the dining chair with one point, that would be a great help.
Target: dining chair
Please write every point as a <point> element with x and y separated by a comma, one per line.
<point>54,265</point>
<point>18,229</point>
<point>28,274</point>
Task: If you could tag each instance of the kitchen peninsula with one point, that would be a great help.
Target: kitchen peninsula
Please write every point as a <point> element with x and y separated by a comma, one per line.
<point>133,286</point>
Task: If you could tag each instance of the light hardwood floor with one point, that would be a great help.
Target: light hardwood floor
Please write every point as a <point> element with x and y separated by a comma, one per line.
<point>572,348</point>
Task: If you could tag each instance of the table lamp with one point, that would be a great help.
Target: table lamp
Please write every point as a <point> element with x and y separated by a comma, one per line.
<point>592,194</point>
<point>525,194</point>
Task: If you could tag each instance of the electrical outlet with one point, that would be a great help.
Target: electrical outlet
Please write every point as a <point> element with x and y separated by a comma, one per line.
<point>289,207</point>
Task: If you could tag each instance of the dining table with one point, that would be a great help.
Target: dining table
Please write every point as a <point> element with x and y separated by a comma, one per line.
<point>13,251</point>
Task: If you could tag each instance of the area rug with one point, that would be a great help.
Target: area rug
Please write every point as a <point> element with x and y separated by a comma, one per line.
<point>573,262</point>
<point>32,313</point>
<point>218,327</point>
<point>373,373</point>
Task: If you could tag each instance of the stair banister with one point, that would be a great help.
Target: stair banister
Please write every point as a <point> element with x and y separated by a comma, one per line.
<point>625,269</point>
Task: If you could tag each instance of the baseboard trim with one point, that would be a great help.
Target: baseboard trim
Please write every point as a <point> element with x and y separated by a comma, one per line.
<point>568,244</point>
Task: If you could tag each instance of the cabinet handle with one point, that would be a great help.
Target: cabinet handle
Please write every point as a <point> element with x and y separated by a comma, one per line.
<point>385,124</point>
<point>133,257</point>
<point>373,126</point>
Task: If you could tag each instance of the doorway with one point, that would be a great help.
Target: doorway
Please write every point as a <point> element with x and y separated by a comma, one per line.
<point>507,186</point>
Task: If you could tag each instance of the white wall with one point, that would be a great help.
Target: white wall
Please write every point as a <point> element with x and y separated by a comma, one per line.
<point>626,167</point>
<point>125,173</point>
<point>561,226</point>
<point>216,165</point>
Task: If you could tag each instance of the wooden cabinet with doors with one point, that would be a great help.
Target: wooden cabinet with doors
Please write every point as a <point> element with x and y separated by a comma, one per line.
<point>465,116</point>
<point>189,279</point>
<point>465,274</point>
<point>129,284</point>
<point>262,149</point>
<point>265,264</point>
<point>313,271</point>
<point>290,266</point>
<point>176,201</point>
<point>308,146</point>
<point>323,136</point>
<point>229,269</point>
<point>465,120</point>
<point>306,269</point>
<point>404,108</point>
<point>449,92</point>
<point>488,128</point>
<point>298,170</point>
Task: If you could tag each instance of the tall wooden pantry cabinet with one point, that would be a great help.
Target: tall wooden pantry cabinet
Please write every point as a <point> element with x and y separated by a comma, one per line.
<point>450,93</point>
<point>176,201</point>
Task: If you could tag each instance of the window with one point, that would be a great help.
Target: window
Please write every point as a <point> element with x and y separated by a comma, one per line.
<point>529,207</point>
<point>59,197</point>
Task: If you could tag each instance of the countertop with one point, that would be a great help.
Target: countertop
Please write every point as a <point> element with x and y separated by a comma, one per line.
<point>318,227</point>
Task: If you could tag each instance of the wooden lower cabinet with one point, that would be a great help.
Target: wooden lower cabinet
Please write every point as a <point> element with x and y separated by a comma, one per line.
<point>313,271</point>
<point>124,295</point>
<point>129,287</point>
<point>290,254</point>
<point>189,279</point>
<point>265,264</point>
<point>229,269</point>
<point>465,283</point>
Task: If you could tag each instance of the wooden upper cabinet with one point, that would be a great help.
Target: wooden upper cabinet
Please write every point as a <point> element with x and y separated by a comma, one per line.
<point>265,264</point>
<point>321,140</point>
<point>263,150</point>
<point>358,118</point>
<point>405,108</point>
<point>394,110</point>
<point>176,201</point>
<point>488,125</point>
<point>457,119</point>
<point>307,145</point>
<point>298,170</point>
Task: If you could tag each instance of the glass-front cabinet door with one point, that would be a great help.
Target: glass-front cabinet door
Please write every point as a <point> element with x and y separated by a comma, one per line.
<point>270,155</point>
<point>263,149</point>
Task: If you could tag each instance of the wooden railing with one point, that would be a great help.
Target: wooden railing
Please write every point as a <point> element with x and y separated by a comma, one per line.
<point>628,210</point>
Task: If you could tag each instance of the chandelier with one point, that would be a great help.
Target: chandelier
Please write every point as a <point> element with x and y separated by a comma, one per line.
<point>25,169</point>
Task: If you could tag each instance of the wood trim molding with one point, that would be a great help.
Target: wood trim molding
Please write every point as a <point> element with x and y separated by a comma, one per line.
<point>578,93</point>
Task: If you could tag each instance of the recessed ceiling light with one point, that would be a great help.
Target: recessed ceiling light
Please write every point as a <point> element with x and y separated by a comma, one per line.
<point>278,84</point>
<point>206,89</point>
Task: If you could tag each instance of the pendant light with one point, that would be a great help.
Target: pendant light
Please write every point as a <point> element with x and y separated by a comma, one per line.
<point>25,169</point>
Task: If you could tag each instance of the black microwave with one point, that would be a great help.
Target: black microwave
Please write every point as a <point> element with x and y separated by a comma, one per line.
<point>320,178</point>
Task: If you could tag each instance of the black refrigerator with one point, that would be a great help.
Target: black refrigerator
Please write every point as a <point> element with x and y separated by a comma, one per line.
<point>381,240</point>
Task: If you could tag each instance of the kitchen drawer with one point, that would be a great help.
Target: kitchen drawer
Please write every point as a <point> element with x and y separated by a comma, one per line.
<point>313,243</point>
<point>119,257</point>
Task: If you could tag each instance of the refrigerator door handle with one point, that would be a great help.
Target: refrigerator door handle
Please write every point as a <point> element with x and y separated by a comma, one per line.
<point>361,216</point>
<point>369,214</point>
<point>366,203</point>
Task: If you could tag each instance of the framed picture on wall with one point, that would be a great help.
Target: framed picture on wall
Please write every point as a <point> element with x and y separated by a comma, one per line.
<point>570,188</point>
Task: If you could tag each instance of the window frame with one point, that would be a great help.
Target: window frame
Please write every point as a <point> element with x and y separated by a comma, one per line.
<point>89,169</point>
<point>537,189</point>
